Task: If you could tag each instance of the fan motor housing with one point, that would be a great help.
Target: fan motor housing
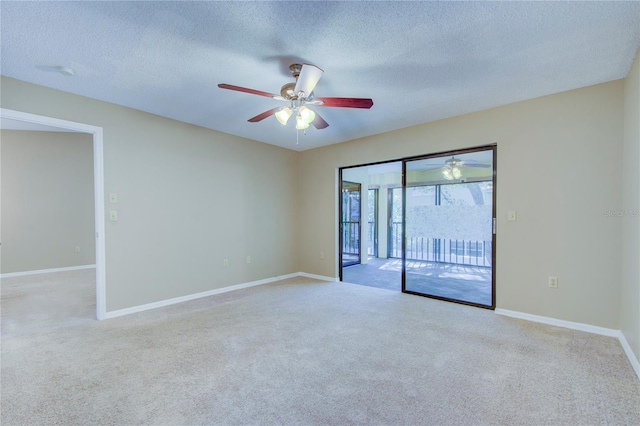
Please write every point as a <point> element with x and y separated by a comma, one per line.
<point>287,91</point>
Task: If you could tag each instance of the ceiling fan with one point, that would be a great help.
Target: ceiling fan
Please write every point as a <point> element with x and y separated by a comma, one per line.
<point>300,95</point>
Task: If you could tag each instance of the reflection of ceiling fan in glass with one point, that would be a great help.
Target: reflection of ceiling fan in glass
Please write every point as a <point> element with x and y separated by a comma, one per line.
<point>452,169</point>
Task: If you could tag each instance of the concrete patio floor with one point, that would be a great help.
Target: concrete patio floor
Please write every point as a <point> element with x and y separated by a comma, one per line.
<point>460,282</point>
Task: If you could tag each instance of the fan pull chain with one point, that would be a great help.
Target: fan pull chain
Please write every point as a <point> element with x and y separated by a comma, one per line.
<point>304,132</point>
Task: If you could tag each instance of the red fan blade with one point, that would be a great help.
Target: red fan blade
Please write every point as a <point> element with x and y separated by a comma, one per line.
<point>346,102</point>
<point>264,115</point>
<point>319,122</point>
<point>245,90</point>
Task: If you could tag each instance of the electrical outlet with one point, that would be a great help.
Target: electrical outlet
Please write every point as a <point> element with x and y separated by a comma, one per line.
<point>553,282</point>
<point>225,263</point>
<point>512,216</point>
<point>77,249</point>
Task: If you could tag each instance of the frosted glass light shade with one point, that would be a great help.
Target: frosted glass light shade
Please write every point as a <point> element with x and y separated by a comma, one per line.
<point>283,115</point>
<point>457,173</point>
<point>307,115</point>
<point>451,173</point>
<point>300,123</point>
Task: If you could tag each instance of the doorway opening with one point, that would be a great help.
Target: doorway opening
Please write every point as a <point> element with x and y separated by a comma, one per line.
<point>31,121</point>
<point>375,266</point>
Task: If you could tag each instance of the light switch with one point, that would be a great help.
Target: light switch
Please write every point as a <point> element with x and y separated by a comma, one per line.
<point>113,215</point>
<point>113,198</point>
<point>512,216</point>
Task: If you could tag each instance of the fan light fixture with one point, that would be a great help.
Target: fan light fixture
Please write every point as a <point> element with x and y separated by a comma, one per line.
<point>283,115</point>
<point>451,169</point>
<point>307,115</point>
<point>451,172</point>
<point>301,124</point>
<point>304,116</point>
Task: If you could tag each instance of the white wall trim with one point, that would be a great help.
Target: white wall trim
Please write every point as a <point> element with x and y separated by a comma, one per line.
<point>632,357</point>
<point>610,332</point>
<point>98,190</point>
<point>317,277</point>
<point>559,323</point>
<point>46,271</point>
<point>173,301</point>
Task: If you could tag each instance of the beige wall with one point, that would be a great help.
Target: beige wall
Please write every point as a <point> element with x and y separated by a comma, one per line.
<point>47,200</point>
<point>630,282</point>
<point>188,198</point>
<point>559,160</point>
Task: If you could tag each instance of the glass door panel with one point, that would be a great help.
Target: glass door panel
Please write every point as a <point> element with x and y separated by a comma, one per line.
<point>448,227</point>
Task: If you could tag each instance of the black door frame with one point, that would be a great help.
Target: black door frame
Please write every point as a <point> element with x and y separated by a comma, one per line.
<point>494,149</point>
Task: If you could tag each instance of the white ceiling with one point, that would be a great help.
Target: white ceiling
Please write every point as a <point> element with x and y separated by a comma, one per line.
<point>418,61</point>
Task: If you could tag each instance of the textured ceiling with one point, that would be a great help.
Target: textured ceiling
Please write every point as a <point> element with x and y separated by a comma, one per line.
<point>418,61</point>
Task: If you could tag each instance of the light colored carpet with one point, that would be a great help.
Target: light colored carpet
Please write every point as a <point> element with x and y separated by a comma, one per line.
<point>298,352</point>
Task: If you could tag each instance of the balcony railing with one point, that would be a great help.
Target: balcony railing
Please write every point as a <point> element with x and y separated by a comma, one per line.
<point>441,250</point>
<point>350,237</point>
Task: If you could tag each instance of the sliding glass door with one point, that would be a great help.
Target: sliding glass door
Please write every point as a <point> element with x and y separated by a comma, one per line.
<point>448,216</point>
<point>424,225</point>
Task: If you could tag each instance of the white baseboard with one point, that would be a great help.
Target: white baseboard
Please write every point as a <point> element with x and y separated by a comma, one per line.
<point>173,301</point>
<point>580,327</point>
<point>46,271</point>
<point>559,323</point>
<point>167,302</point>
<point>317,277</point>
<point>632,357</point>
